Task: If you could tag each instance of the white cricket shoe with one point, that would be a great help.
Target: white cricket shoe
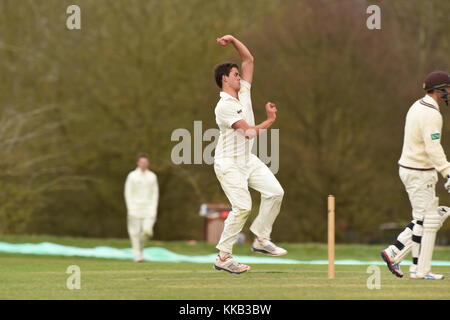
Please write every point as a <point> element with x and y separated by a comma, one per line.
<point>267,247</point>
<point>230,265</point>
<point>428,276</point>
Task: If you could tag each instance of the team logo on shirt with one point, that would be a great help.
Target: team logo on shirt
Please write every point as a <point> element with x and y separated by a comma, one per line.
<point>239,111</point>
<point>435,136</point>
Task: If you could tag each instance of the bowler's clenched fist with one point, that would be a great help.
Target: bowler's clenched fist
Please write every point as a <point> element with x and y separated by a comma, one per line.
<point>271,110</point>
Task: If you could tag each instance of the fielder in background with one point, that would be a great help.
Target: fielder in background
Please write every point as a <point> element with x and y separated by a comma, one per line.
<point>236,167</point>
<point>422,157</point>
<point>141,198</point>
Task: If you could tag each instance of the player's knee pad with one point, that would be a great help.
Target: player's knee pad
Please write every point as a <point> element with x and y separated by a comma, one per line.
<point>417,231</point>
<point>432,220</point>
<point>404,238</point>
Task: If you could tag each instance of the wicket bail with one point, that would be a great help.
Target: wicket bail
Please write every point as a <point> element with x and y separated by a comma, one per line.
<point>331,228</point>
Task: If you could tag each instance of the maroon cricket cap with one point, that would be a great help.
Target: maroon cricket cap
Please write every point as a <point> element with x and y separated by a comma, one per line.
<point>436,80</point>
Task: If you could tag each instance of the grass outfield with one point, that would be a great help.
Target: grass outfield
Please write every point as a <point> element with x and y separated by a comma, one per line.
<point>44,277</point>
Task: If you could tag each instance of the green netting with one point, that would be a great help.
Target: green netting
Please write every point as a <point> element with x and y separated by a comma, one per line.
<point>158,254</point>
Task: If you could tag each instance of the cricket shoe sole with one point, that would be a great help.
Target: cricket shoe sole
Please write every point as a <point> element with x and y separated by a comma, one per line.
<point>389,264</point>
<point>429,276</point>
<point>268,252</point>
<point>232,272</point>
<point>434,277</point>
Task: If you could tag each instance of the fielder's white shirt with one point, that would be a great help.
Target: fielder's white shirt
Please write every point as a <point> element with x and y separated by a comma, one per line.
<point>141,193</point>
<point>422,141</point>
<point>232,143</point>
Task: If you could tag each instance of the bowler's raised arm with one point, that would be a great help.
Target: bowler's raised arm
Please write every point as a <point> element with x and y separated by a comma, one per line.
<point>247,65</point>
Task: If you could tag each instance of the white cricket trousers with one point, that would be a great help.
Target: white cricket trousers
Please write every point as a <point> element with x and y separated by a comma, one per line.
<point>421,189</point>
<point>139,229</point>
<point>236,177</point>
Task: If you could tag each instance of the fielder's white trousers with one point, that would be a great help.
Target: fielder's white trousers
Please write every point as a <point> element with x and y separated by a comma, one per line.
<point>236,177</point>
<point>139,229</point>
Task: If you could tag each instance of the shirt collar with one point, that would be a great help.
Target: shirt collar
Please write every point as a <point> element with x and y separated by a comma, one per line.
<point>430,100</point>
<point>227,96</point>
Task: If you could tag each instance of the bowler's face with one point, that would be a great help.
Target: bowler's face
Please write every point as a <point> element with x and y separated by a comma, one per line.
<point>143,164</point>
<point>234,79</point>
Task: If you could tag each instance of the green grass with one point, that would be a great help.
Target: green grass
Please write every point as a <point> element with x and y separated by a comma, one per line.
<point>44,277</point>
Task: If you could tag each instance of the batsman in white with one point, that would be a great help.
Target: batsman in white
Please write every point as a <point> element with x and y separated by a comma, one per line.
<point>422,157</point>
<point>141,198</point>
<point>236,167</point>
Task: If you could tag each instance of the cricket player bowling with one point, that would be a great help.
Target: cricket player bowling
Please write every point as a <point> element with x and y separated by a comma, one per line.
<point>422,157</point>
<point>141,198</point>
<point>236,168</point>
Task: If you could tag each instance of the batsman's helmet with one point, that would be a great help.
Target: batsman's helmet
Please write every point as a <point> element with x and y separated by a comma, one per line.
<point>438,80</point>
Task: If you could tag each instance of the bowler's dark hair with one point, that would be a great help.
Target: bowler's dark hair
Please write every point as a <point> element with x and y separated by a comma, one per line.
<point>223,70</point>
<point>142,155</point>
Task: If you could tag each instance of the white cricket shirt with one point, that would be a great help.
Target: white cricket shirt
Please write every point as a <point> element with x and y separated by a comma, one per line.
<point>232,143</point>
<point>422,148</point>
<point>141,193</point>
